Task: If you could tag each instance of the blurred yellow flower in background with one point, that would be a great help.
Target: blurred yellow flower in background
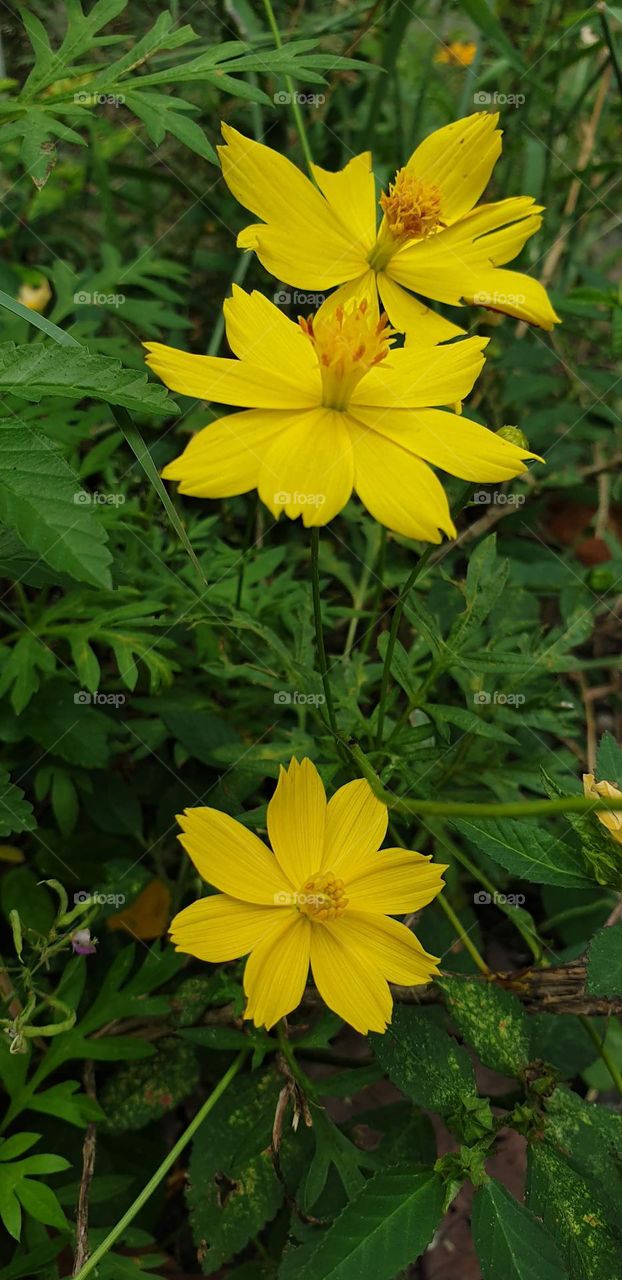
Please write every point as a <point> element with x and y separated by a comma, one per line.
<point>35,296</point>
<point>459,53</point>
<point>324,895</point>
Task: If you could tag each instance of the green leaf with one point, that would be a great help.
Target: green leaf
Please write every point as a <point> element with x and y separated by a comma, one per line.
<point>423,1060</point>
<point>482,15</point>
<point>589,1138</point>
<point>604,963</point>
<point>15,811</point>
<point>37,370</point>
<point>574,1213</point>
<point>38,498</point>
<point>491,1020</point>
<point>609,760</point>
<point>529,852</point>
<point>383,1229</point>
<point>136,1095</point>
<point>511,1244</point>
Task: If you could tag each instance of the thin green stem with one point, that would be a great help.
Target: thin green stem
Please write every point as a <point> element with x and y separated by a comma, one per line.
<point>295,105</point>
<point>319,628</point>
<point>397,618</point>
<point>462,934</point>
<point>609,41</point>
<point>382,554</point>
<point>162,1170</point>
<point>483,809</point>
<point>603,1052</point>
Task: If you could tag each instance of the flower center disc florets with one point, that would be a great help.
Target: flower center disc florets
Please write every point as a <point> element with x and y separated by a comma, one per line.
<point>411,206</point>
<point>348,342</point>
<point>322,897</point>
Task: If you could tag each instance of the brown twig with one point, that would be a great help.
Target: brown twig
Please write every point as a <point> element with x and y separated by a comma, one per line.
<point>88,1167</point>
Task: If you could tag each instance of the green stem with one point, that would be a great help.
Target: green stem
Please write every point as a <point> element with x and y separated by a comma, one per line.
<point>483,809</point>
<point>615,61</point>
<point>295,105</point>
<point>375,608</point>
<point>603,1052</point>
<point>319,629</point>
<point>397,618</point>
<point>162,1170</point>
<point>462,934</point>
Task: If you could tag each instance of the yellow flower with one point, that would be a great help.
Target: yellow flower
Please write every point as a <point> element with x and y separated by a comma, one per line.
<point>604,790</point>
<point>323,896</point>
<point>432,240</point>
<point>330,406</point>
<point>35,296</point>
<point>460,53</point>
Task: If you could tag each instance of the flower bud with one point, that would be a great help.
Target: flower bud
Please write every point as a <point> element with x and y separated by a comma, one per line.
<point>514,435</point>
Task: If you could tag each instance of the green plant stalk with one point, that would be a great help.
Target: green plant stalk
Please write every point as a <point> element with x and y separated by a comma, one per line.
<point>463,935</point>
<point>609,41</point>
<point>162,1170</point>
<point>319,629</point>
<point>603,1052</point>
<point>296,112</point>
<point>397,618</point>
<point>483,809</point>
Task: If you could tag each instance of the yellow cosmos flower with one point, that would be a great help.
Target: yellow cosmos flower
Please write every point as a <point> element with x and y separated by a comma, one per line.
<point>604,790</point>
<point>460,53</point>
<point>431,240</point>
<point>332,407</point>
<point>323,896</point>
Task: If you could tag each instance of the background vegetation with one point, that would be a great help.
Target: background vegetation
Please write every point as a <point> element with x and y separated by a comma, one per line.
<point>159,653</point>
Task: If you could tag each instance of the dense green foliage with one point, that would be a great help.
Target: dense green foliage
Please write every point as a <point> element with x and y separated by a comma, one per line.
<point>159,652</point>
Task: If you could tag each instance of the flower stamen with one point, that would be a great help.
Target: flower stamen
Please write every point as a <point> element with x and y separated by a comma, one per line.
<point>322,897</point>
<point>347,341</point>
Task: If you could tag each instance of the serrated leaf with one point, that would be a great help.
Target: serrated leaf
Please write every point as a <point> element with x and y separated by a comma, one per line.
<point>423,1060</point>
<point>385,1227</point>
<point>527,851</point>
<point>604,963</point>
<point>15,811</point>
<point>511,1244</point>
<point>491,1020</point>
<point>37,370</point>
<point>574,1214</point>
<point>37,499</point>
<point>609,760</point>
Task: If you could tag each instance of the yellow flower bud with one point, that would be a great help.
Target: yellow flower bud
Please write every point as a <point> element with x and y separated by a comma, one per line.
<point>605,790</point>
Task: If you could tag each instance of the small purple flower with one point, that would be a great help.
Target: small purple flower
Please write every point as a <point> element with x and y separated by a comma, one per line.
<point>82,942</point>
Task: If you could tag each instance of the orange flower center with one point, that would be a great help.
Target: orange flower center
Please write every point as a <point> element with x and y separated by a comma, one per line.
<point>348,342</point>
<point>322,897</point>
<point>412,211</point>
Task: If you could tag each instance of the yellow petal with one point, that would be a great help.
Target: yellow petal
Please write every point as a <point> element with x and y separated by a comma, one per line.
<point>235,382</point>
<point>356,824</point>
<point>391,947</point>
<point>231,858</point>
<point>221,928</point>
<point>514,294</point>
<point>459,160</point>
<point>362,288</point>
<point>449,440</point>
<point>296,821</point>
<point>276,971</point>
<point>226,457</point>
<point>351,194</point>
<point>308,470</point>
<point>146,917</point>
<point>393,882</point>
<point>418,376</point>
<point>398,489</point>
<point>348,983</point>
<point>412,317</point>
<point>257,331</point>
<point>303,243</point>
